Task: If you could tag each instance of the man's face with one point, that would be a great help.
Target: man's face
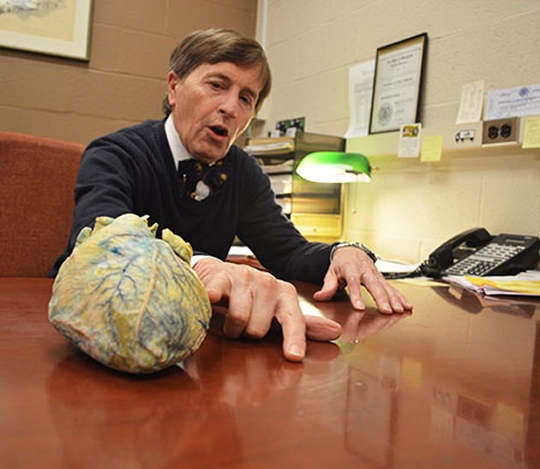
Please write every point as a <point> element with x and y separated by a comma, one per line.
<point>212,106</point>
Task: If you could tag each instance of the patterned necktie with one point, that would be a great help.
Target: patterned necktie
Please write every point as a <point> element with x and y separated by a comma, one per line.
<point>191,173</point>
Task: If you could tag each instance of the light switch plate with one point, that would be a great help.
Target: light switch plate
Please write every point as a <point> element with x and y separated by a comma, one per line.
<point>500,131</point>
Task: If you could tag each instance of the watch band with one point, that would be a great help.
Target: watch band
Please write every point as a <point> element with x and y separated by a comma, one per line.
<point>354,244</point>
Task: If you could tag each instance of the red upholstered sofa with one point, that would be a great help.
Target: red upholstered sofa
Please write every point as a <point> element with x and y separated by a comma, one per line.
<point>37,177</point>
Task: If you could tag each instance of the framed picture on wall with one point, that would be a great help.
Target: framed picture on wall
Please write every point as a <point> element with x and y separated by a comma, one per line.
<point>59,27</point>
<point>397,85</point>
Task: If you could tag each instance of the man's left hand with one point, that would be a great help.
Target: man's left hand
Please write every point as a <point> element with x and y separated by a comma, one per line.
<point>353,268</point>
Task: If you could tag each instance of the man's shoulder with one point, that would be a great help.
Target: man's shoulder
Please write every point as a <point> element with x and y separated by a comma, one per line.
<point>145,131</point>
<point>239,156</point>
<point>134,139</point>
<point>140,144</point>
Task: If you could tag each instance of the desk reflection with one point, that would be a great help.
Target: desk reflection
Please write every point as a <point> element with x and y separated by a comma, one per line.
<point>112,420</point>
<point>190,412</point>
<point>476,303</point>
<point>463,387</point>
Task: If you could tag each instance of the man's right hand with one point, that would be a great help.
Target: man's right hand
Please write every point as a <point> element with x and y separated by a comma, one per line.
<point>255,298</point>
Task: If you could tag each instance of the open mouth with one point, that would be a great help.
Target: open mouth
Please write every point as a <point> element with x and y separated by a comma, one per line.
<point>218,130</point>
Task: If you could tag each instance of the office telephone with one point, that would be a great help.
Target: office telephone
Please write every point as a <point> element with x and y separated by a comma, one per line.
<point>476,252</point>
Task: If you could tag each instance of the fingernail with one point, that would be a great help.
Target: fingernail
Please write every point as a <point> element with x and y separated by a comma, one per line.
<point>296,351</point>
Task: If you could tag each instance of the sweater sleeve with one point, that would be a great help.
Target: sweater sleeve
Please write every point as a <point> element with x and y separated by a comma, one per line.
<point>105,186</point>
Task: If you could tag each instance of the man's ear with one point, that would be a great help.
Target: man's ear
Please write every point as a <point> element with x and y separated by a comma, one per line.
<point>172,81</point>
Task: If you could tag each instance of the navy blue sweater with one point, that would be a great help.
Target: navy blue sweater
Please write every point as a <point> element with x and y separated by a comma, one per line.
<point>132,171</point>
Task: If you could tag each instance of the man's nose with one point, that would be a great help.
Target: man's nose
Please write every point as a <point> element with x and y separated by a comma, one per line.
<point>229,104</point>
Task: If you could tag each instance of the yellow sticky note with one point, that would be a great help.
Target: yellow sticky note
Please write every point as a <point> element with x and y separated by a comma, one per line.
<point>531,133</point>
<point>431,148</point>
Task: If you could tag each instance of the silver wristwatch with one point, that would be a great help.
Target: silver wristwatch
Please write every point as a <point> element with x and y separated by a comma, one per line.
<point>360,246</point>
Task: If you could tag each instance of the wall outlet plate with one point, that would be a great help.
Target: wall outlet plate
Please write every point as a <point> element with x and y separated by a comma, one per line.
<point>500,131</point>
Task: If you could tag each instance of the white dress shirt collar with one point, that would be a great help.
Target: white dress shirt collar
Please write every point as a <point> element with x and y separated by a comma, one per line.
<point>178,150</point>
<point>180,153</point>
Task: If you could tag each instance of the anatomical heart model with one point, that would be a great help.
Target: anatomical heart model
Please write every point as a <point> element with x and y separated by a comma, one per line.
<point>128,299</point>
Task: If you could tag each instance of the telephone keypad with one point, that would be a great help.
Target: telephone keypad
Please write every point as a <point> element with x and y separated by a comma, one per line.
<point>485,259</point>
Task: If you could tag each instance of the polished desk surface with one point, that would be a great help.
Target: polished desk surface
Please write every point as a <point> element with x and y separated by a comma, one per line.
<point>454,385</point>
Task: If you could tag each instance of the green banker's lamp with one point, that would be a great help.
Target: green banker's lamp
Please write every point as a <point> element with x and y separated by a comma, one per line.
<point>335,167</point>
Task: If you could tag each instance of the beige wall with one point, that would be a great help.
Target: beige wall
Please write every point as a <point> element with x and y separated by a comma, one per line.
<point>410,207</point>
<point>124,81</point>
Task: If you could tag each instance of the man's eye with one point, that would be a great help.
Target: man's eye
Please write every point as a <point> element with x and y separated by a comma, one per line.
<point>246,100</point>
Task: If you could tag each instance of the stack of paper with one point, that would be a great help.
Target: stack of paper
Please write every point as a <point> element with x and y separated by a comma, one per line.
<point>274,148</point>
<point>525,284</point>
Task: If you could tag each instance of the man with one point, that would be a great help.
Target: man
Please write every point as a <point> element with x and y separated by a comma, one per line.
<point>216,82</point>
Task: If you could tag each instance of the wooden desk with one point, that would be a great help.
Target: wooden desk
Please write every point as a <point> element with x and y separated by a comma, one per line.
<point>454,385</point>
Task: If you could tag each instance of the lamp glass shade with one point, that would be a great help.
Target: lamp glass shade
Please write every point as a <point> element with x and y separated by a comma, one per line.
<point>335,167</point>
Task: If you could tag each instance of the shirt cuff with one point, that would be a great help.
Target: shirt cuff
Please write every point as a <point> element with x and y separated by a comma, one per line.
<point>196,258</point>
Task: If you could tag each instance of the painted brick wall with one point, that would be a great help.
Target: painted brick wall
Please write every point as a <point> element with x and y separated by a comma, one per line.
<point>410,207</point>
<point>124,81</point>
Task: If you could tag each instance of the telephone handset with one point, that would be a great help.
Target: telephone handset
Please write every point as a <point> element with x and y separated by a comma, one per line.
<point>476,252</point>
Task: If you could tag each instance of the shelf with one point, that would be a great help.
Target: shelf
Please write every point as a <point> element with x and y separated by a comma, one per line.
<point>314,208</point>
<point>387,144</point>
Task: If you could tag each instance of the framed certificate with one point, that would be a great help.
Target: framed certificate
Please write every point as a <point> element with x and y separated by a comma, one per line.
<point>397,85</point>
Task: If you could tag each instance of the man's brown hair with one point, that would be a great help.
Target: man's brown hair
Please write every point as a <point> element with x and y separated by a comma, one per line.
<point>218,45</point>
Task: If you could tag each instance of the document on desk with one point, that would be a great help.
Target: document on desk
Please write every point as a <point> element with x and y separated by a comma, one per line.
<point>524,284</point>
<point>241,250</point>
